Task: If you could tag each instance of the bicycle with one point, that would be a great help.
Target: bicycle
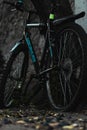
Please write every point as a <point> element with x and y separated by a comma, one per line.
<point>62,69</point>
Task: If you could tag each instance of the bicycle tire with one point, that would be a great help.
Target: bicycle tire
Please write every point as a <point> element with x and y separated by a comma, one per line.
<point>9,91</point>
<point>65,87</point>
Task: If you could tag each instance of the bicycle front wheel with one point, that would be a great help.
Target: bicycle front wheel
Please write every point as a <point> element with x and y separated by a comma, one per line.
<point>66,84</point>
<point>14,76</point>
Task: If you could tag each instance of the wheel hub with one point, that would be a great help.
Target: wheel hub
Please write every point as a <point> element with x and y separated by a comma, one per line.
<point>67,68</point>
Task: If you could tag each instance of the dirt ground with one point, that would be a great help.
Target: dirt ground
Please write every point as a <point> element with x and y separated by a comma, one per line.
<point>29,118</point>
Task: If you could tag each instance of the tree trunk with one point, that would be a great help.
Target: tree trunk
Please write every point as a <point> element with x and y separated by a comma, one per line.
<point>11,27</point>
<point>65,8</point>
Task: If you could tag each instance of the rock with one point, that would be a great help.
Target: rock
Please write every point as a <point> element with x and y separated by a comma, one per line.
<point>7,121</point>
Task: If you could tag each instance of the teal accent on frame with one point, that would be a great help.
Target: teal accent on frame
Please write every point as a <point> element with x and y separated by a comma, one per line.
<point>30,49</point>
<point>51,52</point>
<point>20,1</point>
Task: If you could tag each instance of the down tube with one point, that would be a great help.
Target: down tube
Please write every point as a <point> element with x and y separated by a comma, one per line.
<point>32,53</point>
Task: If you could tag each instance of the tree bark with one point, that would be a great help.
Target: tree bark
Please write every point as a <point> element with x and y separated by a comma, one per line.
<point>65,8</point>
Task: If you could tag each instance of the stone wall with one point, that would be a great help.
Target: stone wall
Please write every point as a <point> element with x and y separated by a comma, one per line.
<point>77,7</point>
<point>11,27</point>
<point>81,5</point>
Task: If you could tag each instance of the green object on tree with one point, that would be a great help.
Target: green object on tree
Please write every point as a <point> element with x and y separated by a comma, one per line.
<point>51,16</point>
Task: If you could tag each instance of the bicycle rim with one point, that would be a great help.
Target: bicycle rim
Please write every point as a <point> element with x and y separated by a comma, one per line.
<point>15,78</point>
<point>63,86</point>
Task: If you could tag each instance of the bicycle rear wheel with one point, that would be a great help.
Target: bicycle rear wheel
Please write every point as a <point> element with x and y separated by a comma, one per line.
<point>66,84</point>
<point>14,76</point>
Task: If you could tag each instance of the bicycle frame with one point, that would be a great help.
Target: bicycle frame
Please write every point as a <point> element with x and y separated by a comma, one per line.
<point>47,48</point>
<point>48,44</point>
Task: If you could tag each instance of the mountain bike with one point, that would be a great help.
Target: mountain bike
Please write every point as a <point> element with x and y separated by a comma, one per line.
<point>62,68</point>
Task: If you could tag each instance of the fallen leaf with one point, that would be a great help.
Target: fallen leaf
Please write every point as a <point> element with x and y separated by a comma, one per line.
<point>20,122</point>
<point>36,118</point>
<point>53,124</point>
<point>81,128</point>
<point>80,119</point>
<point>75,125</point>
<point>68,127</point>
<point>37,126</point>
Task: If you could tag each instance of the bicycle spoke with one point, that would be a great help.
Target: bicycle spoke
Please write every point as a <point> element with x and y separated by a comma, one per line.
<point>75,84</point>
<point>70,91</point>
<point>70,44</point>
<point>67,86</point>
<point>63,89</point>
<point>63,50</point>
<point>8,95</point>
<point>60,51</point>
